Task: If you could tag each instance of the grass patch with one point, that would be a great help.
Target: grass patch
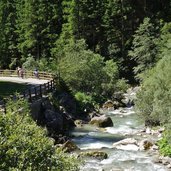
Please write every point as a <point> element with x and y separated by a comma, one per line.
<point>8,88</point>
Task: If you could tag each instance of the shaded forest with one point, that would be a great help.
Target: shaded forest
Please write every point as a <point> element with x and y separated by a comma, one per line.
<point>41,29</point>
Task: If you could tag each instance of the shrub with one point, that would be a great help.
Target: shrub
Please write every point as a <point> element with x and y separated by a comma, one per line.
<point>86,102</point>
<point>25,146</point>
<point>165,143</point>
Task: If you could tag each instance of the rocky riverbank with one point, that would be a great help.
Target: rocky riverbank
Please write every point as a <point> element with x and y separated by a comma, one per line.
<point>105,133</point>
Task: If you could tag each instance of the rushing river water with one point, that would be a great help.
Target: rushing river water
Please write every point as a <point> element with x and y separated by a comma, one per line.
<point>126,125</point>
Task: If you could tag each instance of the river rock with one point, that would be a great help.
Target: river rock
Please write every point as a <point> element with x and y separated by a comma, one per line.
<point>36,111</point>
<point>118,104</point>
<point>145,144</point>
<point>127,144</point>
<point>54,120</point>
<point>95,154</point>
<point>69,146</point>
<point>78,123</point>
<point>128,147</point>
<point>93,114</point>
<point>166,160</point>
<point>108,104</point>
<point>102,121</point>
<point>169,166</point>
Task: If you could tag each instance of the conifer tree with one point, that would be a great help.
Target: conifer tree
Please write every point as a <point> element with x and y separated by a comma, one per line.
<point>39,24</point>
<point>8,49</point>
<point>144,48</point>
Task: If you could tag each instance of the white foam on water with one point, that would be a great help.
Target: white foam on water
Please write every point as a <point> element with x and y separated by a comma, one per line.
<point>129,123</point>
<point>125,111</point>
<point>124,129</point>
<point>97,145</point>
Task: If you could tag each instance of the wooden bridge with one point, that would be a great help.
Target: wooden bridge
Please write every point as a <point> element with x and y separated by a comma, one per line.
<point>36,91</point>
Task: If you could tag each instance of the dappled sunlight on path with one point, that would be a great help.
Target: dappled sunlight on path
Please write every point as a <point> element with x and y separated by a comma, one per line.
<point>25,80</point>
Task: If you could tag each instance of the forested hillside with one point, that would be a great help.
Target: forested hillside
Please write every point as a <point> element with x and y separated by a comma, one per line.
<point>97,47</point>
<point>41,29</point>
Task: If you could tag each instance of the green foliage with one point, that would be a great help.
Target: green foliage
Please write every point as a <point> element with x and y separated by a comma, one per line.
<point>165,143</point>
<point>153,101</point>
<point>163,44</point>
<point>85,101</point>
<point>8,36</point>
<point>25,146</point>
<point>144,48</point>
<point>38,26</point>
<point>42,64</point>
<point>86,71</point>
<point>30,63</point>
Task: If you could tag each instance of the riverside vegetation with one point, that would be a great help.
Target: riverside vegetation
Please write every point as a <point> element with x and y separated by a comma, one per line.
<point>98,48</point>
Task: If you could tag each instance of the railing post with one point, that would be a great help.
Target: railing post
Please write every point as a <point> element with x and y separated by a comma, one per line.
<point>44,87</point>
<point>51,84</point>
<point>30,98</point>
<point>48,86</point>
<point>35,92</point>
<point>40,90</point>
<point>24,94</point>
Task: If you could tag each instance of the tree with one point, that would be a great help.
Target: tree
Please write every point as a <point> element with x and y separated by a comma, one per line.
<point>153,101</point>
<point>144,48</point>
<point>8,36</point>
<point>84,20</point>
<point>88,72</point>
<point>38,26</point>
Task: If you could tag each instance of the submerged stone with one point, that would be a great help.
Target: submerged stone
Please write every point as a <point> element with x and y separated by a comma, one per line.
<point>95,154</point>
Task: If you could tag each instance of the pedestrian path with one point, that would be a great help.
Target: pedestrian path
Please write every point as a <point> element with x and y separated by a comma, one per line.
<point>32,81</point>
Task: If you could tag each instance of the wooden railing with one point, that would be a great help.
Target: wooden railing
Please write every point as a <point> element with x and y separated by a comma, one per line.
<point>27,74</point>
<point>37,92</point>
<point>34,92</point>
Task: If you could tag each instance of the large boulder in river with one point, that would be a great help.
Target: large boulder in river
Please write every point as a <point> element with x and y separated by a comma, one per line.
<point>102,121</point>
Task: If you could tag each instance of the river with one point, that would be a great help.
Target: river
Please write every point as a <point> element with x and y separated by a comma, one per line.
<point>126,125</point>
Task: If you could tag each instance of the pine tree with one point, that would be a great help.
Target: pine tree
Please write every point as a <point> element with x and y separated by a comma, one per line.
<point>39,24</point>
<point>8,49</point>
<point>84,21</point>
<point>144,48</point>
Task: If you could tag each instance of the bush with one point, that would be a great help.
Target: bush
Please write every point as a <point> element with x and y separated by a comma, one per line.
<point>24,145</point>
<point>86,102</point>
<point>165,144</point>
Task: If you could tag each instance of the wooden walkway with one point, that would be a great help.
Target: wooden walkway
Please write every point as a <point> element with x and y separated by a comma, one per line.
<point>39,88</point>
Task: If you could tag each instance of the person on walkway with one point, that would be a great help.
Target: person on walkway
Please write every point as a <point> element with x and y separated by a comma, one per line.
<point>36,73</point>
<point>21,73</point>
<point>18,71</point>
